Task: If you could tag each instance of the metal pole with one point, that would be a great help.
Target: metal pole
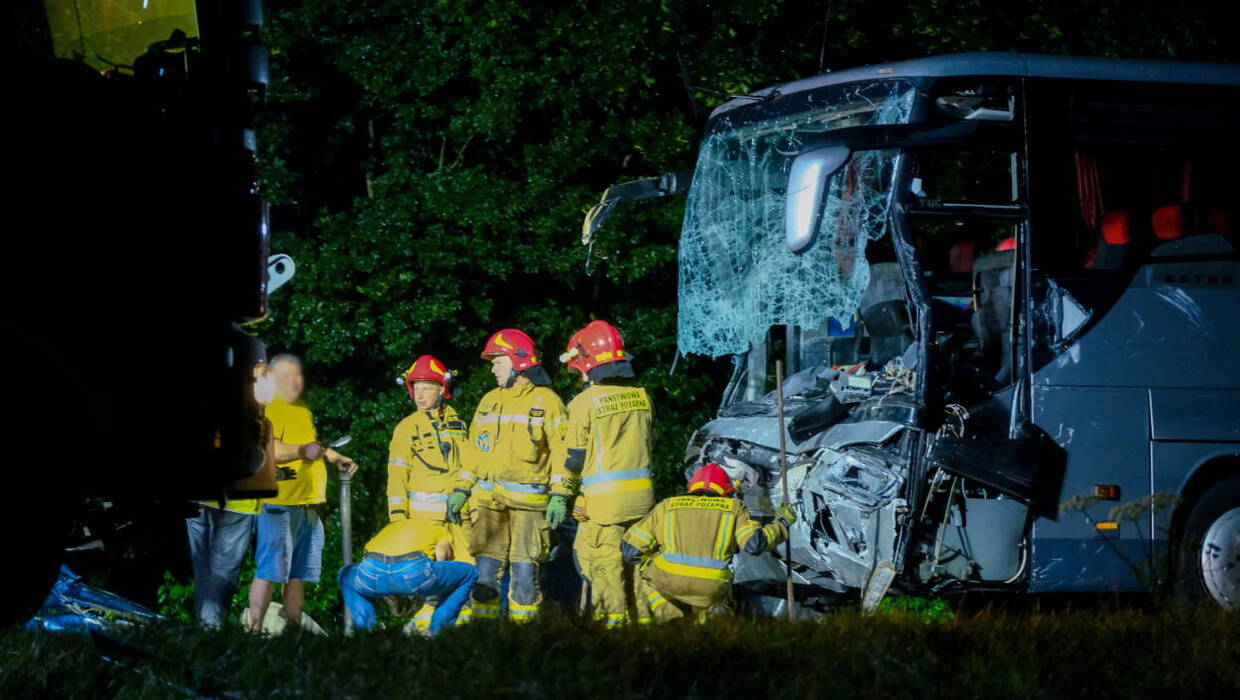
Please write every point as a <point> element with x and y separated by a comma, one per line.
<point>783,471</point>
<point>346,534</point>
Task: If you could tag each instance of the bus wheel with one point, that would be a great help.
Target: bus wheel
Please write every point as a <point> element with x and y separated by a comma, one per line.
<point>1208,566</point>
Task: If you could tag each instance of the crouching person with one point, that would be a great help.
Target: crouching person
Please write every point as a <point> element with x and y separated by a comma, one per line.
<point>408,558</point>
<point>688,543</point>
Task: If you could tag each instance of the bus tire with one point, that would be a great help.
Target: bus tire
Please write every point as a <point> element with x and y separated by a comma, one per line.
<point>1208,558</point>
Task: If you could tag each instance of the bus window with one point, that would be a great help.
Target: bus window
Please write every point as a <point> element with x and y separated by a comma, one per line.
<point>1125,172</point>
<point>964,230</point>
<point>108,34</point>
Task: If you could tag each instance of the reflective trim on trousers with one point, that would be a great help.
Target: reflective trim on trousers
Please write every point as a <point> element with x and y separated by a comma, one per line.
<point>521,613</point>
<point>484,485</point>
<point>485,611</point>
<point>712,572</point>
<point>397,462</point>
<point>611,619</point>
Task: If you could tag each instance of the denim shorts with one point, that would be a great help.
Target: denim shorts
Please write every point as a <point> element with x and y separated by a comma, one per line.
<point>290,543</point>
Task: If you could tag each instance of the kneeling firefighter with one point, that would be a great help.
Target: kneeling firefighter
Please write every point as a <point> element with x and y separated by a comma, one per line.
<point>690,540</point>
<point>609,444</point>
<point>517,445</point>
<point>424,460</point>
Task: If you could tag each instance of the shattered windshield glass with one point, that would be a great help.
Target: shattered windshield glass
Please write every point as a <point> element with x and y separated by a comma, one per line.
<point>737,275</point>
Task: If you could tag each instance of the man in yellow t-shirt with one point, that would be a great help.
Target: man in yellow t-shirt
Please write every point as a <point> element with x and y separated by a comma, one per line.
<point>409,557</point>
<point>290,534</point>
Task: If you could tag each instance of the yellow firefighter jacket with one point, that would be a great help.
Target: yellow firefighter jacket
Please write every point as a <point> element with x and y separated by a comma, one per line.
<point>690,541</point>
<point>517,448</point>
<point>424,460</point>
<point>609,442</point>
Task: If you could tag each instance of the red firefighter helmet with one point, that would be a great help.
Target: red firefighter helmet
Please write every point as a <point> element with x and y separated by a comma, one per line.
<point>429,369</point>
<point>597,344</point>
<point>514,344</point>
<point>712,477</point>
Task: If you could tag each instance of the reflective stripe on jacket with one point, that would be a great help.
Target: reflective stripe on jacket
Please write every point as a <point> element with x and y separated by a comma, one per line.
<point>517,448</point>
<point>690,541</point>
<point>610,443</point>
<point>424,460</point>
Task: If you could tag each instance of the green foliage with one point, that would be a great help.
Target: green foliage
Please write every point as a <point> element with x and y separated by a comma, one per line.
<point>430,163</point>
<point>925,609</point>
<point>176,599</point>
<point>1099,654</point>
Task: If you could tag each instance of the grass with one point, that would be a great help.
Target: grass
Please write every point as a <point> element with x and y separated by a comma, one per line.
<point>1092,654</point>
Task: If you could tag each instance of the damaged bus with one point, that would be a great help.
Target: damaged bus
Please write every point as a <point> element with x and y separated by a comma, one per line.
<point>1004,287</point>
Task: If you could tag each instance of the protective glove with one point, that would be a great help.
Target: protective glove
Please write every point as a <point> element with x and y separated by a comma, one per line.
<point>557,510</point>
<point>456,501</point>
<point>785,514</point>
<point>312,451</point>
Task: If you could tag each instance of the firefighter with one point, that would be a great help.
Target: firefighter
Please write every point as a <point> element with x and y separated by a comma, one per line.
<point>688,543</point>
<point>608,447</point>
<point>407,558</point>
<point>424,460</point>
<point>517,440</point>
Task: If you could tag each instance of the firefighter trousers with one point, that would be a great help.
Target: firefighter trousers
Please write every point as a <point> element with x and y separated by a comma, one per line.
<point>665,607</point>
<point>600,561</point>
<point>519,539</point>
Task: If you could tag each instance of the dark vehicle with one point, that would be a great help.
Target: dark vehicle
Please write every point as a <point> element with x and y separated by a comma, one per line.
<point>1006,289</point>
<point>135,245</point>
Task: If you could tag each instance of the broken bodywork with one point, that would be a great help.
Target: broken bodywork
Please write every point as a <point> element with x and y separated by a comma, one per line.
<point>853,444</point>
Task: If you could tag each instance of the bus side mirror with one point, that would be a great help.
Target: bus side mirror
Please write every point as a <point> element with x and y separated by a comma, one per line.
<point>808,181</point>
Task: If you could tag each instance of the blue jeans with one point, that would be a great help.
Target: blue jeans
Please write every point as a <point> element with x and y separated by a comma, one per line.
<point>290,544</point>
<point>218,541</point>
<point>422,577</point>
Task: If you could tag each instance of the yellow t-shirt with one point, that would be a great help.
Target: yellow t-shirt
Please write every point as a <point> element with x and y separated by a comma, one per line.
<point>401,537</point>
<point>299,482</point>
<point>248,506</point>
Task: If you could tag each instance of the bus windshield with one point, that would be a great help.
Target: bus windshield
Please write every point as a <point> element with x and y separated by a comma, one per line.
<point>737,276</point>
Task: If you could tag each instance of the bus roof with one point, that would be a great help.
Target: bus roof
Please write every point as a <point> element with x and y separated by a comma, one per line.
<point>1019,64</point>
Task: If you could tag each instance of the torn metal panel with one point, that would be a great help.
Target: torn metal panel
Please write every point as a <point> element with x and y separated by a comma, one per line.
<point>873,432</point>
<point>862,476</point>
<point>73,606</point>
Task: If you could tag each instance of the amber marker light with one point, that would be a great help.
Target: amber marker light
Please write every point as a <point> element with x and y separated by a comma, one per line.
<point>1107,492</point>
